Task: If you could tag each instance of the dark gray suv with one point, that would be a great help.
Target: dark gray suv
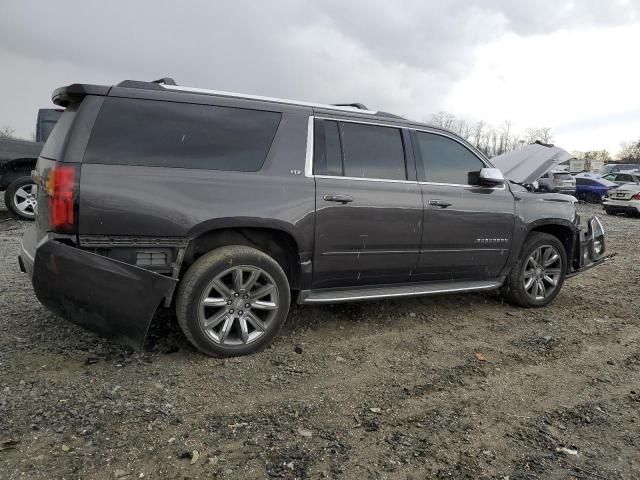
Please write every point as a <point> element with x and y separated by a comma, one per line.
<point>231,206</point>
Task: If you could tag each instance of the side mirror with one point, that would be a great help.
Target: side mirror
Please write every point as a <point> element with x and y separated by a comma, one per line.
<point>490,177</point>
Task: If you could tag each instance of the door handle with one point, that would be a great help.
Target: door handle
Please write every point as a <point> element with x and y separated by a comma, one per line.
<point>338,198</point>
<point>439,203</point>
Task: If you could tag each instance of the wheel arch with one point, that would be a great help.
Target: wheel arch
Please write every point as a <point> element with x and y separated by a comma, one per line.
<point>275,242</point>
<point>563,230</point>
<point>14,169</point>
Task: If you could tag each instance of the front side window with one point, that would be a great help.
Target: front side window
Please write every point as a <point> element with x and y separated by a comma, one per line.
<point>171,134</point>
<point>446,161</point>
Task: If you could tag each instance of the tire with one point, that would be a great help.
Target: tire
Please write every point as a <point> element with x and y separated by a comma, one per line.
<point>20,198</point>
<point>515,289</point>
<point>592,197</point>
<point>610,211</point>
<point>222,306</point>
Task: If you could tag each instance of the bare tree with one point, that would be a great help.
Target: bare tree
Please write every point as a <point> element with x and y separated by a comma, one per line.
<point>7,132</point>
<point>630,151</point>
<point>542,134</point>
<point>491,140</point>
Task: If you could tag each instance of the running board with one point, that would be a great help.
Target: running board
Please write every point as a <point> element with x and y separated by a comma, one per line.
<point>341,295</point>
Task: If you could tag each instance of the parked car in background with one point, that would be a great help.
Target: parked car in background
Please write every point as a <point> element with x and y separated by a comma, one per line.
<point>229,206</point>
<point>624,199</point>
<point>623,177</point>
<point>592,188</point>
<point>619,167</point>
<point>17,160</point>
<point>557,181</point>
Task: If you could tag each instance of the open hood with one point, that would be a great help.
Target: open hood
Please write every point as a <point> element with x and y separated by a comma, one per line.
<point>529,163</point>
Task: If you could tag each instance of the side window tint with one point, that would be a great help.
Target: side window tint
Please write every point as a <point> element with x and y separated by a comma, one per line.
<point>171,134</point>
<point>446,161</point>
<point>371,151</point>
<point>327,159</point>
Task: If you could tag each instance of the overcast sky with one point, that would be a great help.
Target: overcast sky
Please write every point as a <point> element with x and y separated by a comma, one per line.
<point>569,65</point>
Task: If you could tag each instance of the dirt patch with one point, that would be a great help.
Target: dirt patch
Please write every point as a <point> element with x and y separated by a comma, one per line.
<point>460,386</point>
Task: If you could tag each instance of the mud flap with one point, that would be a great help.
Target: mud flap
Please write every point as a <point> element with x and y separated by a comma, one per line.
<point>108,297</point>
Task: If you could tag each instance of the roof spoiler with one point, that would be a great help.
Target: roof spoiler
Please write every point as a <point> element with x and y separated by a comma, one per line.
<point>74,93</point>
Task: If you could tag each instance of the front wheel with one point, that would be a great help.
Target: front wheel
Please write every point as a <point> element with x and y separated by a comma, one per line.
<point>538,276</point>
<point>233,301</point>
<point>20,198</point>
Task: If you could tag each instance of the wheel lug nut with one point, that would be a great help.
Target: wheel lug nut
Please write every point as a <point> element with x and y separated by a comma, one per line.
<point>231,310</point>
<point>240,312</point>
<point>228,302</point>
<point>236,294</point>
<point>247,305</point>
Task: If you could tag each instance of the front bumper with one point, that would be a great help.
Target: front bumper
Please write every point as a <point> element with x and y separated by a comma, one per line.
<point>590,247</point>
<point>106,296</point>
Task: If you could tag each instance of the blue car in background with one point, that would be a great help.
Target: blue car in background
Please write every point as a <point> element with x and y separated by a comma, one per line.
<point>592,188</point>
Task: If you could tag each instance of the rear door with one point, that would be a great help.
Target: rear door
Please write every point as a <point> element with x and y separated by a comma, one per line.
<point>368,205</point>
<point>467,228</point>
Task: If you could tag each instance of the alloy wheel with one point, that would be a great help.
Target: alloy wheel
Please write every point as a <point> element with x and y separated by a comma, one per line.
<point>238,306</point>
<point>25,199</point>
<point>542,272</point>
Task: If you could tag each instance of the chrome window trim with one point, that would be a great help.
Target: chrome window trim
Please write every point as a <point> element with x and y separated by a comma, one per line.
<point>459,185</point>
<point>223,93</point>
<point>308,160</point>
<point>308,167</point>
<point>363,122</point>
<point>360,179</point>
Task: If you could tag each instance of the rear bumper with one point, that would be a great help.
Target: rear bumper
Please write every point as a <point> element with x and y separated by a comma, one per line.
<point>622,206</point>
<point>108,297</point>
<point>565,190</point>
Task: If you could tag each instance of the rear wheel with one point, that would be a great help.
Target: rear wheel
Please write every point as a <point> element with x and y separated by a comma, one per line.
<point>20,197</point>
<point>592,197</point>
<point>233,301</point>
<point>538,276</point>
<point>610,211</point>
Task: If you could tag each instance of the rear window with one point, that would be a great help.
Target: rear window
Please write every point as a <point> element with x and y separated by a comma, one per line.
<point>169,134</point>
<point>562,176</point>
<point>55,144</point>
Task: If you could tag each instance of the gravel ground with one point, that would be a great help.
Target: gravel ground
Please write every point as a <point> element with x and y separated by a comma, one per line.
<point>457,386</point>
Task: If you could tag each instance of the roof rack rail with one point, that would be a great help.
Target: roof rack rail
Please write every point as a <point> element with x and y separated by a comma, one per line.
<point>359,106</point>
<point>165,81</point>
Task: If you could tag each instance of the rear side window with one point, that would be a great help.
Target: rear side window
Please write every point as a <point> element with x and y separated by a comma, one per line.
<point>169,134</point>
<point>446,161</point>
<point>586,182</point>
<point>372,152</point>
<point>328,152</point>
<point>54,146</point>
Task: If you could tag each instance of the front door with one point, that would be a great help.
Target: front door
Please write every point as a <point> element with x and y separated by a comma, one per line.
<point>368,212</point>
<point>467,229</point>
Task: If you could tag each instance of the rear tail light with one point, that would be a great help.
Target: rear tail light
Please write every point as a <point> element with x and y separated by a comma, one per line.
<point>61,189</point>
<point>636,197</point>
